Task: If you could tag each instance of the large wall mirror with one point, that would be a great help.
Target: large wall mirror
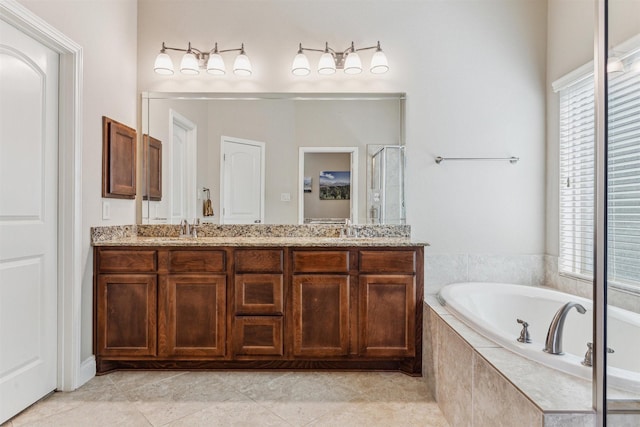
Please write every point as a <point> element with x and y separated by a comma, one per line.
<point>236,158</point>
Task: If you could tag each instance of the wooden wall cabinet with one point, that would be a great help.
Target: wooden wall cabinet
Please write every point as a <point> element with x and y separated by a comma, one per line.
<point>119,152</point>
<point>152,168</point>
<point>242,307</point>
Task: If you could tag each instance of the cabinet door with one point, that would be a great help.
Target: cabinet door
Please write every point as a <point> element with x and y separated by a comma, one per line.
<point>258,336</point>
<point>192,315</point>
<point>387,315</point>
<point>126,315</point>
<point>320,315</point>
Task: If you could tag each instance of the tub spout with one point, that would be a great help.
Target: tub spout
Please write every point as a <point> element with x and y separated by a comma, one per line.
<point>553,343</point>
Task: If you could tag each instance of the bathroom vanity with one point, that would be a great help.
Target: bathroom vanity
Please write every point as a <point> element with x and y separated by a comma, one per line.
<point>258,303</point>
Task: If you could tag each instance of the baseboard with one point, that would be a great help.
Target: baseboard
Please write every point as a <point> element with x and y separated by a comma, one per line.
<point>87,370</point>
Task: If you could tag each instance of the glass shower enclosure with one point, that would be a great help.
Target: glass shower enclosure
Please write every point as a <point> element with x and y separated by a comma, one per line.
<point>385,196</point>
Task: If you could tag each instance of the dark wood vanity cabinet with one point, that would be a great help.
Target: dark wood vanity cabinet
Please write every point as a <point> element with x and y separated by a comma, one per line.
<point>125,295</point>
<point>192,303</point>
<point>268,307</point>
<point>258,322</point>
<point>388,302</point>
<point>320,303</point>
<point>126,315</point>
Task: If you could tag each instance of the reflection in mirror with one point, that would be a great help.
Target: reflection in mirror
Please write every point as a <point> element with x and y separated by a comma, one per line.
<point>386,184</point>
<point>284,123</point>
<point>329,194</point>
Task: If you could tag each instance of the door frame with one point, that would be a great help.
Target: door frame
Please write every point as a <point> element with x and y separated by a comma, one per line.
<point>354,178</point>
<point>259,144</point>
<point>191,129</point>
<point>71,371</point>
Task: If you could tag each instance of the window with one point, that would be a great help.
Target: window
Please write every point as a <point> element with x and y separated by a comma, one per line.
<point>577,175</point>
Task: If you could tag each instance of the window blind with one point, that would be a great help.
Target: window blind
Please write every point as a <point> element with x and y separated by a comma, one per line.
<point>577,178</point>
<point>624,179</point>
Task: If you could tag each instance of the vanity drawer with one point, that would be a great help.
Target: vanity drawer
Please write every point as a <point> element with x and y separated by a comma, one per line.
<point>126,261</point>
<point>258,336</point>
<point>185,261</point>
<point>259,261</point>
<point>388,261</point>
<point>321,261</point>
<point>259,294</point>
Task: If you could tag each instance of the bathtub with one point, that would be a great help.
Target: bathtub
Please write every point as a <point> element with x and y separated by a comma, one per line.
<point>492,309</point>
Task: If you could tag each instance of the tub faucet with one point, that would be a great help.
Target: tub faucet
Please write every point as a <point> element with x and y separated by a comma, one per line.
<point>588,356</point>
<point>553,343</point>
<point>524,334</point>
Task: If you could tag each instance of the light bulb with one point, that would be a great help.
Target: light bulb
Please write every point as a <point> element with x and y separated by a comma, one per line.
<point>215,65</point>
<point>163,64</point>
<point>242,65</point>
<point>326,65</point>
<point>189,64</point>
<point>379,64</point>
<point>615,65</point>
<point>300,66</point>
<point>352,64</point>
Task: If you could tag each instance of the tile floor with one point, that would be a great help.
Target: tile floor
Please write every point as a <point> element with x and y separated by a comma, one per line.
<point>240,399</point>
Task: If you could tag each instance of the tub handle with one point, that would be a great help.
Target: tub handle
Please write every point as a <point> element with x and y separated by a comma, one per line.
<point>588,356</point>
<point>524,334</point>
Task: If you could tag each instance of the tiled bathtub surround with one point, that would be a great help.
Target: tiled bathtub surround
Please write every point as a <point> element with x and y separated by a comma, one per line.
<point>443,269</point>
<point>99,234</point>
<point>477,383</point>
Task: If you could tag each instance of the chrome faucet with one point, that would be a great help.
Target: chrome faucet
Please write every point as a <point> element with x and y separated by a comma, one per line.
<point>189,230</point>
<point>553,343</point>
<point>185,229</point>
<point>588,356</point>
<point>348,230</point>
<point>524,338</point>
<point>194,227</point>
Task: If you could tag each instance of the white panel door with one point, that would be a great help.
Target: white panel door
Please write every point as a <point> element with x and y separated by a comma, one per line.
<point>182,163</point>
<point>28,220</point>
<point>242,176</point>
<point>178,159</point>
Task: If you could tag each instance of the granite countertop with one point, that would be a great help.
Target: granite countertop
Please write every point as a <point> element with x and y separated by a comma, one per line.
<point>260,241</point>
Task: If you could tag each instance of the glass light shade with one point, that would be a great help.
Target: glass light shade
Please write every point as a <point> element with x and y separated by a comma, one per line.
<point>326,65</point>
<point>635,66</point>
<point>215,65</point>
<point>163,64</point>
<point>242,66</point>
<point>615,65</point>
<point>352,64</point>
<point>379,64</point>
<point>300,66</point>
<point>189,64</point>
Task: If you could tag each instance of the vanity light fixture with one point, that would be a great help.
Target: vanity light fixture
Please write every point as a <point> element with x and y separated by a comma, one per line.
<point>195,60</point>
<point>615,65</point>
<point>347,60</point>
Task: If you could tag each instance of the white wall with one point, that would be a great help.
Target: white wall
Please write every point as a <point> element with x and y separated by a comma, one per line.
<point>106,29</point>
<point>473,71</point>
